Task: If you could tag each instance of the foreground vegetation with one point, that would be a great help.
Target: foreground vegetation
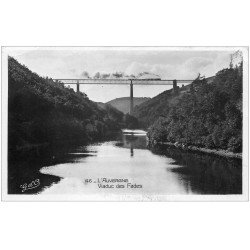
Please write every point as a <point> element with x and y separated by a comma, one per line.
<point>206,116</point>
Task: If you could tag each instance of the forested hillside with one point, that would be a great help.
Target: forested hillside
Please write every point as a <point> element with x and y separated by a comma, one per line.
<point>44,112</point>
<point>125,121</point>
<point>207,115</point>
<point>152,109</point>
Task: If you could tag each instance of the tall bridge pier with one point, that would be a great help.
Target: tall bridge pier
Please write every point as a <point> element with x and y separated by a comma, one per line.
<point>175,87</point>
<point>131,99</point>
<point>77,86</point>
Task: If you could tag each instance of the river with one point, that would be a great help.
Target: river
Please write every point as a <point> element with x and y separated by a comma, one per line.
<point>126,166</point>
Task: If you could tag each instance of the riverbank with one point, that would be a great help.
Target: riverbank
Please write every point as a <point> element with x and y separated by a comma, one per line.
<point>219,152</point>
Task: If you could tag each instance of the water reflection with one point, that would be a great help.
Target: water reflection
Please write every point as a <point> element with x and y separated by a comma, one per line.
<point>160,171</point>
<point>205,174</point>
<point>133,141</point>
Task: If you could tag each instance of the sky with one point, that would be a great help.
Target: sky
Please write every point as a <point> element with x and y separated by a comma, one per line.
<point>169,63</point>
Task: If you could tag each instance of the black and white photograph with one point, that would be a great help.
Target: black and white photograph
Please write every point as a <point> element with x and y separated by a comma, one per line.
<point>125,123</point>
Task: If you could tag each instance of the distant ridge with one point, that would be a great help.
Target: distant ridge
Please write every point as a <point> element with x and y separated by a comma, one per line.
<point>123,103</point>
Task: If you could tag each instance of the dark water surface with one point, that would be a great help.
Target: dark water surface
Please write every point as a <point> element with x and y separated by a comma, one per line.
<point>158,171</point>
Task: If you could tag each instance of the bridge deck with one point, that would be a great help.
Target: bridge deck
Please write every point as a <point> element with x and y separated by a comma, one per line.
<point>121,81</point>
